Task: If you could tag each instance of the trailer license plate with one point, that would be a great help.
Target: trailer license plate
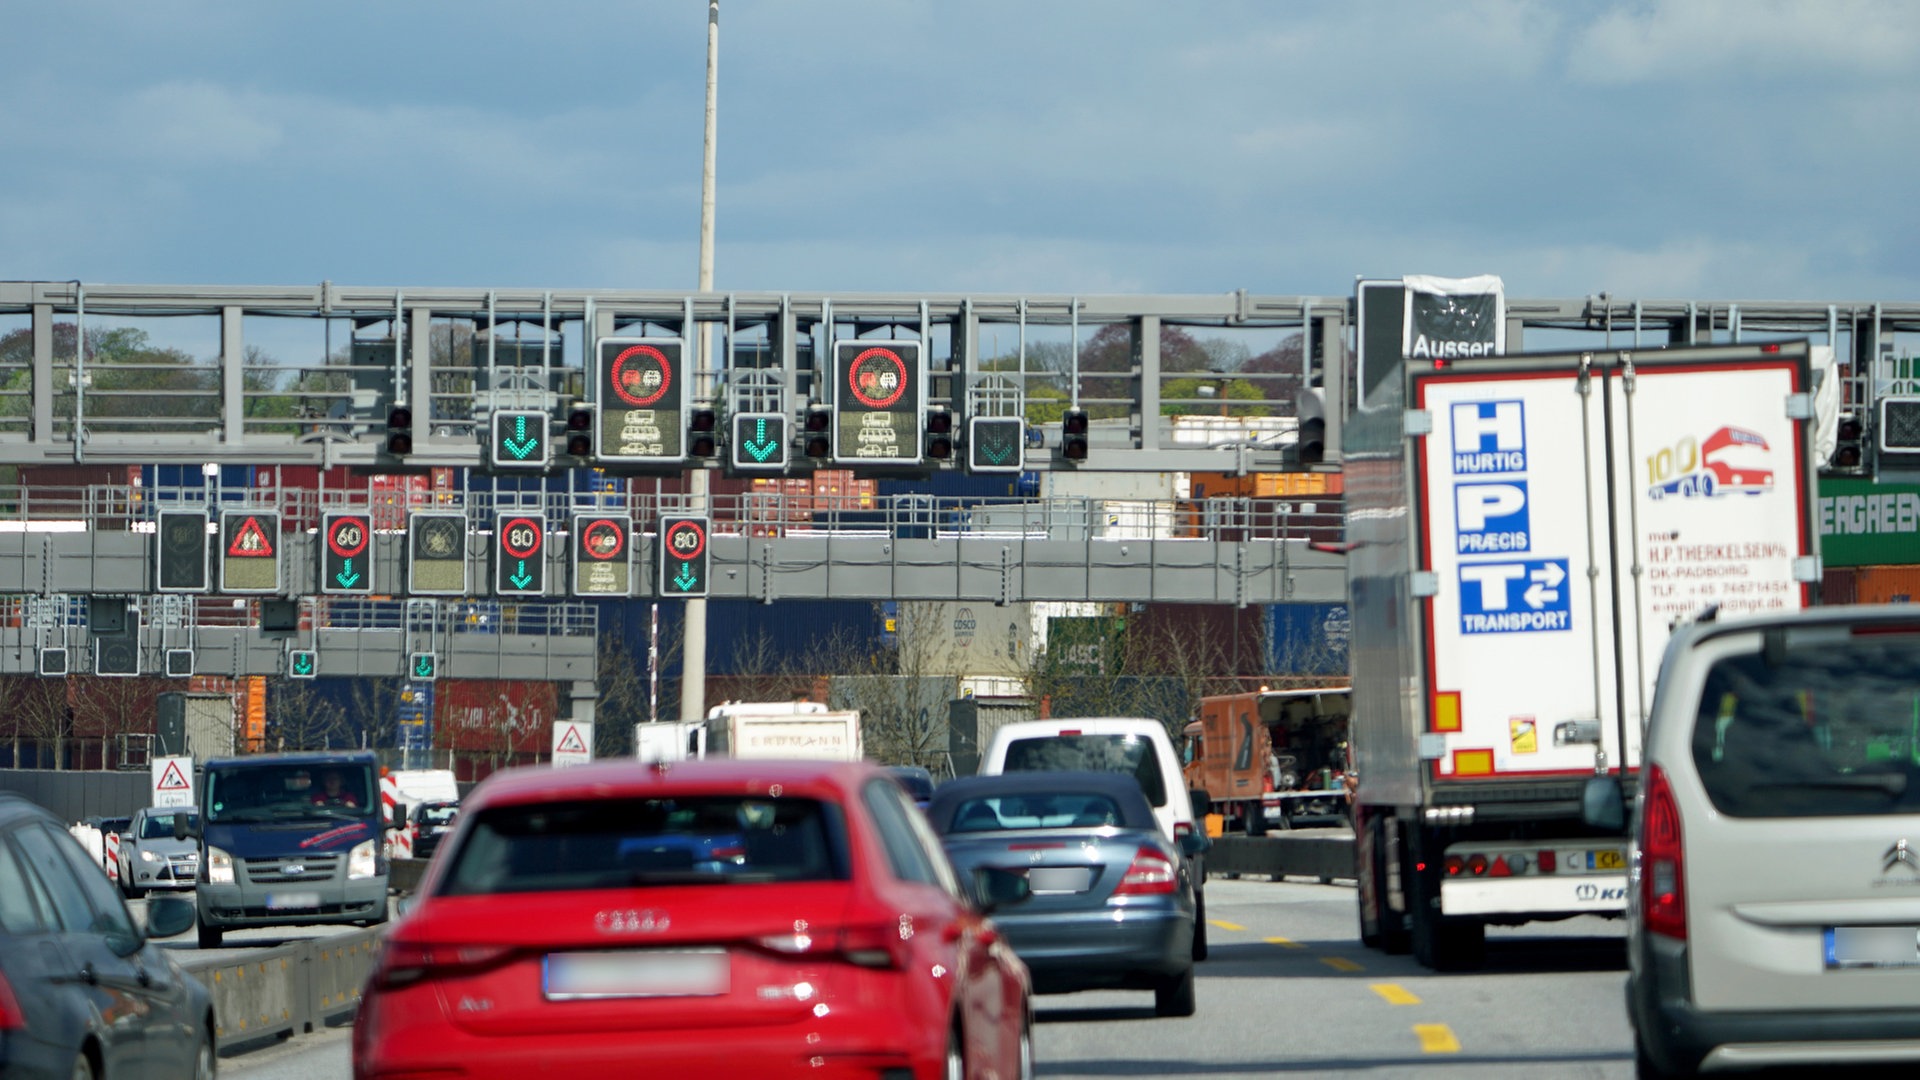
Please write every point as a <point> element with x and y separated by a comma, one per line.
<point>1873,946</point>
<point>1607,860</point>
<point>636,973</point>
<point>293,901</point>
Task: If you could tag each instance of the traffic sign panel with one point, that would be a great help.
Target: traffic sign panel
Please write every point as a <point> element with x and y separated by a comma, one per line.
<point>602,555</point>
<point>642,392</point>
<point>519,554</point>
<point>180,551</point>
<point>996,444</point>
<point>346,553</point>
<point>302,663</point>
<point>759,442</point>
<point>437,553</point>
<point>422,667</point>
<point>249,551</point>
<point>683,557</point>
<point>879,396</point>
<point>520,440</point>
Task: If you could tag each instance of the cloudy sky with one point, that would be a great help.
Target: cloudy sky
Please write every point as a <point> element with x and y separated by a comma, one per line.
<point>1736,149</point>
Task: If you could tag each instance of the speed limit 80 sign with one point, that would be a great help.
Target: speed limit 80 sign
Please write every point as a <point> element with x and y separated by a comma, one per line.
<point>683,557</point>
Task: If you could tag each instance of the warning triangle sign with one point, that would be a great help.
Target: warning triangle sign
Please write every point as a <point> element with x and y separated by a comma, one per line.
<point>171,779</point>
<point>570,742</point>
<point>251,541</point>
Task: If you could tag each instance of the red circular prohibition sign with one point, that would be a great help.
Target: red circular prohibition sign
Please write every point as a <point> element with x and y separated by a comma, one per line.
<point>674,530</point>
<point>595,529</point>
<point>621,375</point>
<point>506,534</point>
<point>853,377</point>
<point>339,526</point>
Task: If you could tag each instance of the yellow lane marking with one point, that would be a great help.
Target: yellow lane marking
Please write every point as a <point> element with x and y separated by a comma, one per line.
<point>1285,943</point>
<point>1395,994</point>
<point>1224,925</point>
<point>1436,1039</point>
<point>1340,963</point>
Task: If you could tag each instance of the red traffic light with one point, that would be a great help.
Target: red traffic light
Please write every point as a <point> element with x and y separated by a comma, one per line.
<point>399,430</point>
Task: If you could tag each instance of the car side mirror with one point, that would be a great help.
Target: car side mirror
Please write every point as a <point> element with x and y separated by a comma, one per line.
<point>168,915</point>
<point>995,888</point>
<point>1603,803</point>
<point>399,817</point>
<point>1202,802</point>
<point>1195,843</point>
<point>182,829</point>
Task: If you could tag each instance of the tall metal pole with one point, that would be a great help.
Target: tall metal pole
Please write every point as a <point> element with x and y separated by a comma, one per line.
<point>693,655</point>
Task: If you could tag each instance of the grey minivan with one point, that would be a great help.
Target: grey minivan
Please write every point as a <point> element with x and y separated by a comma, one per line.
<point>1774,913</point>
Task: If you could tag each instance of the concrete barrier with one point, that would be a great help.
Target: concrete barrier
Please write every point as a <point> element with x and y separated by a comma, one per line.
<point>1323,854</point>
<point>403,875</point>
<point>286,990</point>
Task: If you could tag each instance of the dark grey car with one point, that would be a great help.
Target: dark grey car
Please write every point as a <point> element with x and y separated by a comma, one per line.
<point>83,991</point>
<point>1111,902</point>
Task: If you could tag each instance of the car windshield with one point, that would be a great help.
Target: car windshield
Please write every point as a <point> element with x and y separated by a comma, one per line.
<point>437,813</point>
<point>1129,755</point>
<point>288,792</point>
<point>160,826</point>
<point>625,843</point>
<point>1823,728</point>
<point>1035,811</point>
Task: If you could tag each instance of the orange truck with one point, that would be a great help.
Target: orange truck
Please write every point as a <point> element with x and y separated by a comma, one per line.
<point>1271,758</point>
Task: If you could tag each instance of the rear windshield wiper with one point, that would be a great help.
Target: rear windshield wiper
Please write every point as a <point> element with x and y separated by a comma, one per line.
<point>692,877</point>
<point>1894,784</point>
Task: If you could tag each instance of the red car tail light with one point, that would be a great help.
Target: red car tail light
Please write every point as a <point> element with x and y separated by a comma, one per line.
<point>1663,895</point>
<point>1150,875</point>
<point>876,946</point>
<point>1548,862</point>
<point>403,963</point>
<point>11,1018</point>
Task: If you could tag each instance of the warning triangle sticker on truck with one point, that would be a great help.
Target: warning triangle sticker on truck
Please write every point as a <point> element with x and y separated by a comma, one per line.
<point>570,743</point>
<point>251,541</point>
<point>172,780</point>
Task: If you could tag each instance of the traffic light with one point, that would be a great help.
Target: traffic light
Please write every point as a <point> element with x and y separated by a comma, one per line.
<point>180,551</point>
<point>683,557</point>
<point>117,654</point>
<point>302,663</point>
<point>346,553</point>
<point>178,663</point>
<point>939,446</point>
<point>399,431</point>
<point>818,428</point>
<point>1310,442</point>
<point>1073,434</point>
<point>703,432</point>
<point>879,399</point>
<point>580,430</point>
<point>1849,446</point>
<point>994,444</point>
<point>642,394</point>
<point>520,440</point>
<point>520,554</point>
<point>422,667</point>
<point>759,442</point>
<point>53,662</point>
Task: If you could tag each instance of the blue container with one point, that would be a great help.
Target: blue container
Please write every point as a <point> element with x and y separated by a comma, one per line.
<point>745,637</point>
<point>1307,639</point>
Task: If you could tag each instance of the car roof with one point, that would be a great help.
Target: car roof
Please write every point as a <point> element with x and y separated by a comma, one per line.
<point>305,757</point>
<point>15,805</point>
<point>1086,725</point>
<point>630,778</point>
<point>1824,615</point>
<point>1123,789</point>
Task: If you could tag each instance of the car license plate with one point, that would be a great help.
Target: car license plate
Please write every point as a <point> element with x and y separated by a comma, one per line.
<point>1059,879</point>
<point>636,973</point>
<point>293,901</point>
<point>1606,859</point>
<point>1873,946</point>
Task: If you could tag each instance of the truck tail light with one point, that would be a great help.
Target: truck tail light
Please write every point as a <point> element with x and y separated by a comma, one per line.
<point>1663,894</point>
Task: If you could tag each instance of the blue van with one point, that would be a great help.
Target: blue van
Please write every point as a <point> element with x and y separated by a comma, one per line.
<point>291,840</point>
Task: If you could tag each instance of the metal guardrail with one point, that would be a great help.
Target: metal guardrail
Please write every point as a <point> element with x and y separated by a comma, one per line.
<point>289,989</point>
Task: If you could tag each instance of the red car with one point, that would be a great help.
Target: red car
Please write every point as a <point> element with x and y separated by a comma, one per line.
<point>710,918</point>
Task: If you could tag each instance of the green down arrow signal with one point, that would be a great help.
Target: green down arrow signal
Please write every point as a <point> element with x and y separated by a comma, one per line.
<point>521,444</point>
<point>423,667</point>
<point>685,578</point>
<point>995,454</point>
<point>760,446</point>
<point>302,663</point>
<point>346,577</point>
<point>521,579</point>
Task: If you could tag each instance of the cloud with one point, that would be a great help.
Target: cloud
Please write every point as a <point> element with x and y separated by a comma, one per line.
<point>1704,40</point>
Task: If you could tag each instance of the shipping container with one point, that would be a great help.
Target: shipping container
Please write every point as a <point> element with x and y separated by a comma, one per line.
<point>1307,639</point>
<point>1205,485</point>
<point>1866,523</point>
<point>1207,640</point>
<point>1886,584</point>
<point>1838,584</point>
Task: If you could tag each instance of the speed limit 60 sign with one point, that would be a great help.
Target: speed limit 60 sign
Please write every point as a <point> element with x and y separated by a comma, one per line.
<point>683,557</point>
<point>346,553</point>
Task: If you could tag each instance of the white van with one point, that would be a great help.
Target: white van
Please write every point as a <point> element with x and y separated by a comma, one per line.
<point>1131,745</point>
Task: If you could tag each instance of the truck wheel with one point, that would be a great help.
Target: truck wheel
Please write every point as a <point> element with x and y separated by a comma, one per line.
<point>209,936</point>
<point>1256,819</point>
<point>1440,943</point>
<point>1388,933</point>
